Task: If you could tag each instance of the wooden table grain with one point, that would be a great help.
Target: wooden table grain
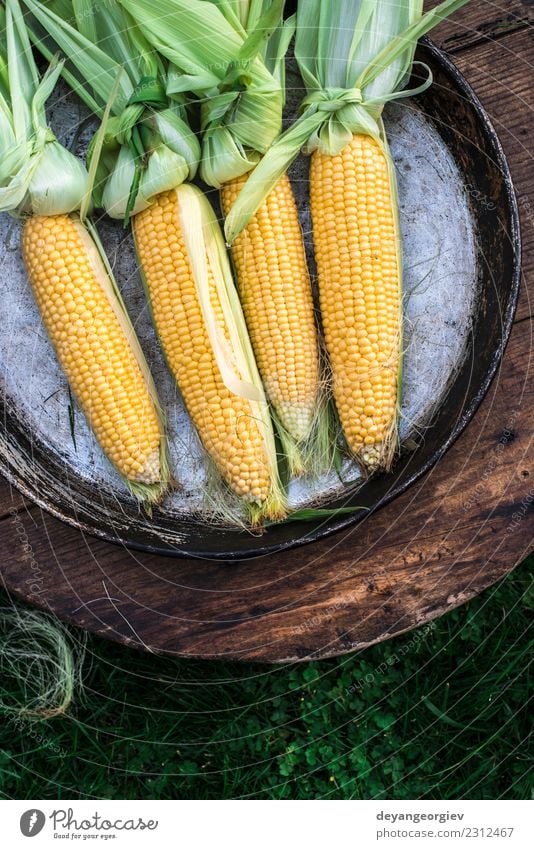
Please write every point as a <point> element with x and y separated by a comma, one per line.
<point>466,524</point>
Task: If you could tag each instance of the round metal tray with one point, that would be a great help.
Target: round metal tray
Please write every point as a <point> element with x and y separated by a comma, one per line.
<point>462,263</point>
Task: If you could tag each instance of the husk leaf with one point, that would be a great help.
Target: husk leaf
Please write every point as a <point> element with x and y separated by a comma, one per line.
<point>353,57</point>
<point>148,146</point>
<point>37,174</point>
<point>241,93</point>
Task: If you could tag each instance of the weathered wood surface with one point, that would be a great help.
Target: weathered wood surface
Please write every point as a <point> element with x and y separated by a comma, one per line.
<point>457,531</point>
<point>480,22</point>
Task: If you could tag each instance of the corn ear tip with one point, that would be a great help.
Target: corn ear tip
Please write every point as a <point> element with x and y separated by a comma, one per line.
<point>292,457</point>
<point>272,510</point>
<point>315,454</point>
<point>150,495</point>
<point>386,453</point>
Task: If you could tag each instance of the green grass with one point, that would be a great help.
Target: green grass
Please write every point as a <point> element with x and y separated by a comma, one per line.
<point>440,713</point>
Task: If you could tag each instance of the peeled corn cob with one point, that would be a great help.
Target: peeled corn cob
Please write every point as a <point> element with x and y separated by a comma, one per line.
<point>71,288</point>
<point>275,290</point>
<point>73,285</point>
<point>357,252</point>
<point>353,57</point>
<point>235,430</point>
<point>269,256</point>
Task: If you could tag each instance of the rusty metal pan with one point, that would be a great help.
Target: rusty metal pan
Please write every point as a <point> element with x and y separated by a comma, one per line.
<point>462,269</point>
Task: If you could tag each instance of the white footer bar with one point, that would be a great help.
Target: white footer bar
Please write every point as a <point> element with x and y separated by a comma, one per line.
<point>268,825</point>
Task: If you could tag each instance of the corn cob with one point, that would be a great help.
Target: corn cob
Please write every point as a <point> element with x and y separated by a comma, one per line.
<point>71,287</point>
<point>353,57</point>
<point>275,289</point>
<point>74,288</point>
<point>234,429</point>
<point>357,252</point>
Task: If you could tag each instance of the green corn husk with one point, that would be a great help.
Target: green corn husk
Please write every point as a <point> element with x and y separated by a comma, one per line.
<point>267,37</point>
<point>148,146</point>
<point>353,57</point>
<point>38,176</point>
<point>242,91</point>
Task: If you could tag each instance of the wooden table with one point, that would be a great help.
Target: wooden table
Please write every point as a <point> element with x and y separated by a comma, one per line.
<point>457,531</point>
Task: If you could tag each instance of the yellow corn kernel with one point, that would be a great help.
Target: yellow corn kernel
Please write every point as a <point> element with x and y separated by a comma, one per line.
<point>70,285</point>
<point>357,252</point>
<point>275,290</point>
<point>225,422</point>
